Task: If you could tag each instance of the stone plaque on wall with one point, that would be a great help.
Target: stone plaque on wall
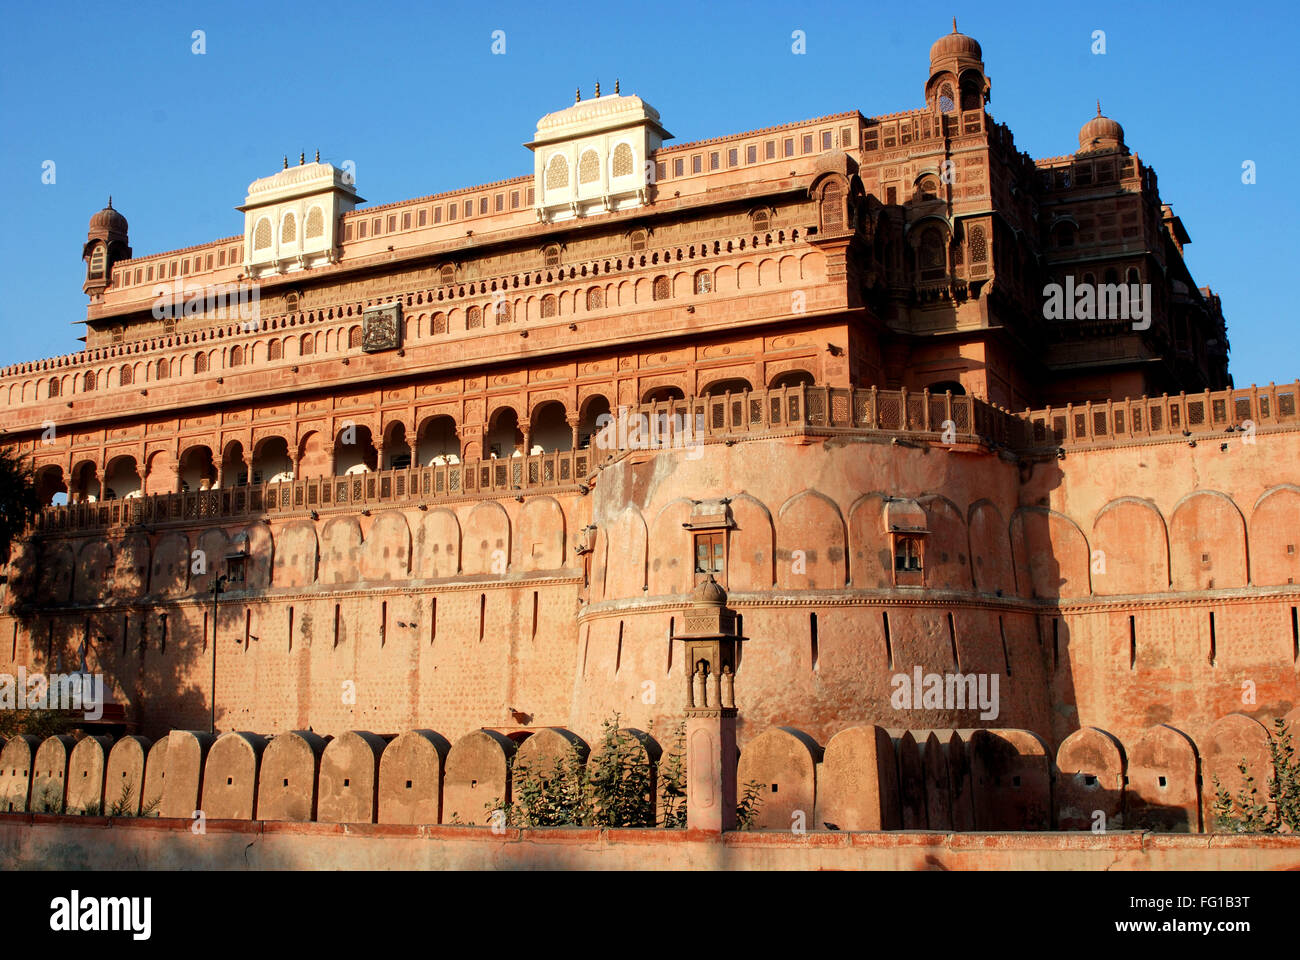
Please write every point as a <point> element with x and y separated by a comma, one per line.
<point>381,328</point>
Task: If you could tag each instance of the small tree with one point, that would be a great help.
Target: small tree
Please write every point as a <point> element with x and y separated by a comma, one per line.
<point>18,501</point>
<point>672,792</point>
<point>1280,813</point>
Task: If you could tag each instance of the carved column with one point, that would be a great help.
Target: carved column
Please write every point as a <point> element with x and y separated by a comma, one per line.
<point>573,421</point>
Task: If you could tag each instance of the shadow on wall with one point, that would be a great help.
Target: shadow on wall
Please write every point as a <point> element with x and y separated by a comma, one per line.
<point>866,777</point>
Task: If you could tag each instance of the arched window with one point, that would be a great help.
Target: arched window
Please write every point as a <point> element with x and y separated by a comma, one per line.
<point>703,282</point>
<point>551,256</point>
<point>447,273</point>
<point>661,288</point>
<point>978,246</point>
<point>97,257</point>
<point>623,164</point>
<point>88,382</point>
<point>557,172</point>
<point>588,167</point>
<point>262,235</point>
<point>474,318</point>
<point>971,92</point>
<point>595,298</point>
<point>276,350</point>
<point>289,229</point>
<point>124,376</point>
<point>315,224</point>
<point>236,357</point>
<point>833,207</point>
<point>501,310</point>
<point>354,337</point>
<point>200,363</point>
<point>931,257</point>
<point>946,101</point>
<point>550,306</point>
<point>307,345</point>
<point>638,239</point>
<point>438,324</point>
<point>760,221</point>
<point>163,369</point>
<point>928,187</point>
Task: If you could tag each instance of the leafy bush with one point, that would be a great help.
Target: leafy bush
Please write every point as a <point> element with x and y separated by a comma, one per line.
<point>1280,811</point>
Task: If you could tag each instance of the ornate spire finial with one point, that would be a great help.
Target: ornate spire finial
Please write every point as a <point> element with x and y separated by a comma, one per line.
<point>577,94</point>
<point>286,161</point>
<point>110,201</point>
<point>616,86</point>
<point>302,158</point>
<point>954,24</point>
<point>1099,106</point>
<point>597,89</point>
<point>318,155</point>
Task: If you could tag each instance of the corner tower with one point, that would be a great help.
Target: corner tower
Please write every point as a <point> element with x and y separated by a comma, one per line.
<point>106,244</point>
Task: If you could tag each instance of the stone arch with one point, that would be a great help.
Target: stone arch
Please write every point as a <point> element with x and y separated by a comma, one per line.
<point>286,789</point>
<point>1229,741</point>
<point>296,554</point>
<point>1162,792</point>
<point>230,776</point>
<point>124,776</point>
<point>751,561</point>
<point>439,539</point>
<point>410,778</point>
<point>155,777</point>
<point>1134,548</point>
<point>947,566</point>
<point>547,746</point>
<point>95,567</point>
<point>183,785</point>
<point>485,545</point>
<point>859,788</point>
<point>1012,780</point>
<point>16,772</point>
<point>1090,768</point>
<point>671,563</point>
<point>478,771</point>
<point>785,761</point>
<point>50,774</point>
<point>131,572</point>
<point>386,553</point>
<point>340,546</point>
<point>1051,554</point>
<point>1207,542</point>
<point>990,550</point>
<point>810,522</point>
<point>170,575</point>
<point>348,785</point>
<point>626,573</point>
<point>60,569</point>
<point>1275,537</point>
<point>541,534</point>
<point>86,768</point>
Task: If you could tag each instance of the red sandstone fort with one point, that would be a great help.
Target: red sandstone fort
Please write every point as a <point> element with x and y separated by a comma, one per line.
<point>739,431</point>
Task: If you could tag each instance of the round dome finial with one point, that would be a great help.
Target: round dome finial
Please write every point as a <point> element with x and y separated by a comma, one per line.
<point>957,45</point>
<point>709,592</point>
<point>107,223</point>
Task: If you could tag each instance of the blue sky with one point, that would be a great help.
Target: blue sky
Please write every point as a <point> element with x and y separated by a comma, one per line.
<point>412,94</point>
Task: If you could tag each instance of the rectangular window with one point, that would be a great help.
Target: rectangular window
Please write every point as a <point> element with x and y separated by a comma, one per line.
<point>769,150</point>
<point>679,167</point>
<point>661,171</point>
<point>209,261</point>
<point>406,221</point>
<point>437,214</point>
<point>826,139</point>
<point>789,146</point>
<point>514,199</point>
<point>846,137</point>
<point>501,202</point>
<point>530,196</point>
<point>392,223</point>
<point>422,218</point>
<point>907,554</point>
<point>347,233</point>
<point>482,205</point>
<point>469,208</point>
<point>807,143</point>
<point>708,554</point>
<point>148,273</point>
<point>872,139</point>
<point>452,210</point>
<point>361,230</point>
<point>733,157</point>
<point>185,267</point>
<point>891,195</point>
<point>376,226</point>
<point>713,161</point>
<point>697,164</point>
<point>137,276</point>
<point>751,154</point>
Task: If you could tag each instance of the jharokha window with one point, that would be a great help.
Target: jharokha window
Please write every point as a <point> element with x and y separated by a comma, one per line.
<point>708,555</point>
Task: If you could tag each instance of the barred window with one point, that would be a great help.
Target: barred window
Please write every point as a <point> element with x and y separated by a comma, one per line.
<point>447,274</point>
<point>289,229</point>
<point>550,306</point>
<point>276,350</point>
<point>262,235</point>
<point>354,337</point>
<point>638,241</point>
<point>551,256</point>
<point>595,298</point>
<point>200,363</point>
<point>978,246</point>
<point>473,318</point>
<point>236,357</point>
<point>588,167</point>
<point>124,376</point>
<point>761,222</point>
<point>501,309</point>
<point>703,282</point>
<point>946,102</point>
<point>89,382</point>
<point>307,345</point>
<point>661,288</point>
<point>164,369</point>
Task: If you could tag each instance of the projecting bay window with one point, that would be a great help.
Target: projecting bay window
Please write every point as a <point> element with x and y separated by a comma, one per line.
<point>909,561</point>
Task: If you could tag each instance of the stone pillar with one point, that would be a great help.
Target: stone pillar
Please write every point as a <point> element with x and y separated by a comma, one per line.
<point>574,421</point>
<point>526,430</point>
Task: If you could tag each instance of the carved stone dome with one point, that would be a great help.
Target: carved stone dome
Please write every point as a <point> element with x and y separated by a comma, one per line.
<point>107,221</point>
<point>709,591</point>
<point>1100,133</point>
<point>955,45</point>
